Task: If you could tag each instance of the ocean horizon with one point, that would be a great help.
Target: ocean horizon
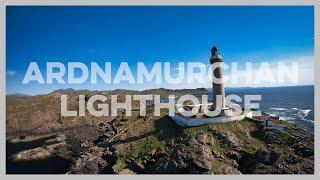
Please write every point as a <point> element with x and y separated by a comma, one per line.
<point>293,103</point>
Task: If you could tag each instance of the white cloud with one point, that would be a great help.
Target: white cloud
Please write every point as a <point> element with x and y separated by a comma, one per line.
<point>305,73</point>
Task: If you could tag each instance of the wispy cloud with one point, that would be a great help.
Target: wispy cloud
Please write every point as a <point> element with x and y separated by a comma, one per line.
<point>11,73</point>
<point>305,72</point>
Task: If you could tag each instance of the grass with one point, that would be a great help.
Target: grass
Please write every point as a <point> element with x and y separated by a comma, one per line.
<point>155,140</point>
<point>148,145</point>
<point>142,148</point>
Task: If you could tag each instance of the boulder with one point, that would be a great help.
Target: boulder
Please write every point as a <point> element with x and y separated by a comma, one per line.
<point>116,168</point>
<point>201,138</point>
<point>294,159</point>
<point>233,155</point>
<point>203,164</point>
<point>266,156</point>
<point>227,139</point>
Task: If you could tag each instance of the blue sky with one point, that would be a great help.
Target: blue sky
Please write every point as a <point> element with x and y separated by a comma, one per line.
<point>151,34</point>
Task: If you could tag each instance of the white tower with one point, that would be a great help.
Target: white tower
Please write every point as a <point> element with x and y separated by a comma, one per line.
<point>217,88</point>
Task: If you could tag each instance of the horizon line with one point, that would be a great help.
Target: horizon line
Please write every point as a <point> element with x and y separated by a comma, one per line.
<point>227,87</point>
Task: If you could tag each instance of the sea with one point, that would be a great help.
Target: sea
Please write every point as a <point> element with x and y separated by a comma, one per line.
<point>293,103</point>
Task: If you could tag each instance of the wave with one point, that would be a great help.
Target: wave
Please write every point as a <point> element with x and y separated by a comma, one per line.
<point>286,118</point>
<point>292,119</point>
<point>292,114</point>
<point>279,109</point>
<point>304,111</point>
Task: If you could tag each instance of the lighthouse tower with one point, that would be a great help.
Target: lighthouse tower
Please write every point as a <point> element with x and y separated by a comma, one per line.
<point>217,87</point>
<point>227,113</point>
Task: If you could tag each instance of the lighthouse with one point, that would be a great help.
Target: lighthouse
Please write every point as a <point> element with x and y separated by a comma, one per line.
<point>217,72</point>
<point>226,113</point>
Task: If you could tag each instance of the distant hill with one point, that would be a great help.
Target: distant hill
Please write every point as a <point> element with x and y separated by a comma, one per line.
<point>160,91</point>
<point>26,112</point>
<point>18,95</point>
<point>70,91</point>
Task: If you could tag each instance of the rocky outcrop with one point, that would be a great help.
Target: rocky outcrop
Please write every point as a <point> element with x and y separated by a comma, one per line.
<point>197,154</point>
<point>227,139</point>
<point>266,156</point>
<point>289,152</point>
<point>39,153</point>
<point>102,157</point>
<point>90,162</point>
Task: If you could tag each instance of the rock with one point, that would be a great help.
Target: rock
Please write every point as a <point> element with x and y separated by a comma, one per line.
<point>233,155</point>
<point>153,152</point>
<point>227,139</point>
<point>144,162</point>
<point>248,139</point>
<point>126,171</point>
<point>117,167</point>
<point>102,163</point>
<point>282,153</point>
<point>43,152</point>
<point>204,139</point>
<point>203,164</point>
<point>229,168</point>
<point>268,157</point>
<point>210,141</point>
<point>86,144</point>
<point>90,167</point>
<point>90,162</point>
<point>58,139</point>
<point>128,161</point>
<point>87,166</point>
<point>165,166</point>
<point>234,163</point>
<point>201,138</point>
<point>145,158</point>
<point>293,159</point>
<point>160,153</point>
<point>304,150</point>
<point>200,156</point>
<point>32,154</point>
<point>206,153</point>
<point>217,154</point>
<point>231,140</point>
<point>263,155</point>
<point>273,137</point>
<point>274,156</point>
<point>124,119</point>
<point>101,124</point>
<point>171,143</point>
<point>151,161</point>
<point>191,142</point>
<point>137,167</point>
